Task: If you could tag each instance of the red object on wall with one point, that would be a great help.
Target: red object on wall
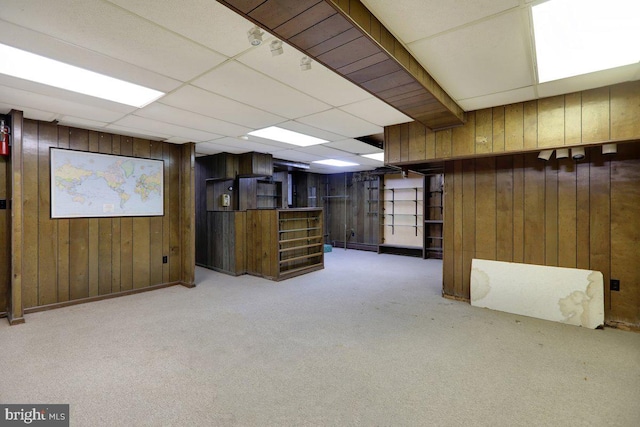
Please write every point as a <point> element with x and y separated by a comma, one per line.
<point>4,139</point>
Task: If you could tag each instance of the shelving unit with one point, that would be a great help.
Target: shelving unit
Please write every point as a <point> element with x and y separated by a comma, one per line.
<point>285,243</point>
<point>402,216</point>
<point>433,217</point>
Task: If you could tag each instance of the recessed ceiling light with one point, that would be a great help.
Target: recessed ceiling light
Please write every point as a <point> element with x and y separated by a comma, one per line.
<point>275,133</point>
<point>575,37</point>
<point>276,48</point>
<point>255,36</point>
<point>334,162</point>
<point>36,68</point>
<point>375,156</point>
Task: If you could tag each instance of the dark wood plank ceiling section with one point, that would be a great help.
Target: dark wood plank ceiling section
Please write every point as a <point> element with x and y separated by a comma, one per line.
<point>344,36</point>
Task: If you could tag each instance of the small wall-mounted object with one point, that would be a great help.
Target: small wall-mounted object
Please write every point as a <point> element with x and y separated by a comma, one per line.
<point>577,153</point>
<point>545,154</point>
<point>4,139</point>
<point>609,149</point>
<point>3,204</point>
<point>562,153</point>
<point>225,200</point>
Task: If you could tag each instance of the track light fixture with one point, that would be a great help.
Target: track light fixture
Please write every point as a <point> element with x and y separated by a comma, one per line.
<point>609,149</point>
<point>276,48</point>
<point>545,154</point>
<point>305,63</point>
<point>577,153</point>
<point>255,36</point>
<point>562,153</point>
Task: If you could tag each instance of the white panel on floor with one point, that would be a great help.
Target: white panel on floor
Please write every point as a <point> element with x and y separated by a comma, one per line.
<point>565,295</point>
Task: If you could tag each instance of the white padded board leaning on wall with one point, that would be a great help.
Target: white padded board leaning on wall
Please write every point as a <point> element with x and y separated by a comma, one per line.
<point>565,295</point>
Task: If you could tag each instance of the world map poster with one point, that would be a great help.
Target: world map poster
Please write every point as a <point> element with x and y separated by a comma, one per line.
<point>102,185</point>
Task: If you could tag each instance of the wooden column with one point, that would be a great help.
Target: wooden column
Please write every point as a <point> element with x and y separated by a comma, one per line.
<point>16,313</point>
<point>187,214</point>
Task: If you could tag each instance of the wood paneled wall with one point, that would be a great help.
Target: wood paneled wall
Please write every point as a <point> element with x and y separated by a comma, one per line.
<point>517,208</point>
<point>591,117</point>
<point>63,260</point>
<point>5,240</point>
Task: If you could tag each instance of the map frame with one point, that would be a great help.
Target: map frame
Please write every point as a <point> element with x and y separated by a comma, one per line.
<point>137,161</point>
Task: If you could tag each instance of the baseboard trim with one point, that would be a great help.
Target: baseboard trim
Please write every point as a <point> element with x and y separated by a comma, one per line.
<point>100,297</point>
<point>455,298</point>
<point>622,326</point>
<point>15,320</point>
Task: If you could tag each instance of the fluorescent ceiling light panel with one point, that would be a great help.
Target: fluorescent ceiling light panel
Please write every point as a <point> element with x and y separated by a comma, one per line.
<point>36,68</point>
<point>333,162</point>
<point>575,37</point>
<point>375,156</point>
<point>275,133</point>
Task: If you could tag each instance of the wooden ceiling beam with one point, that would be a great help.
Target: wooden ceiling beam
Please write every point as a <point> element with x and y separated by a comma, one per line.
<point>344,36</point>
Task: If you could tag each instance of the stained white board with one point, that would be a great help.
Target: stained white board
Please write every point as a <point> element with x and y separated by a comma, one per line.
<point>565,295</point>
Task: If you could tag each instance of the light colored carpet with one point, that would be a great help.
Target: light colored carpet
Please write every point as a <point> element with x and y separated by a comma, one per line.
<point>367,341</point>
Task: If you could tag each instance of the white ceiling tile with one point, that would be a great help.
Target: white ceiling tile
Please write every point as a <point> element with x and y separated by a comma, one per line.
<point>144,124</point>
<point>82,123</point>
<point>590,81</point>
<point>41,44</point>
<point>177,116</point>
<point>44,102</point>
<point>353,146</point>
<point>106,28</point>
<point>298,156</point>
<point>318,82</point>
<point>342,123</point>
<point>30,113</point>
<point>479,59</point>
<point>65,95</point>
<point>204,21</point>
<point>137,133</point>
<point>310,130</point>
<point>324,151</point>
<point>243,84</point>
<point>200,101</point>
<point>178,140</point>
<point>412,20</point>
<point>377,112</point>
<point>509,97</point>
<point>245,146</point>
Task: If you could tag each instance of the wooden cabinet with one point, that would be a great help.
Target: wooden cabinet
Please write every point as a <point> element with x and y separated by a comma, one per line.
<point>223,166</point>
<point>283,243</point>
<point>256,164</point>
<point>226,249</point>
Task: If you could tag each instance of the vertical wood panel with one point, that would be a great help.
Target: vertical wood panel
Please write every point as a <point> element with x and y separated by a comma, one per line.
<point>141,231</point>
<point>174,216</point>
<point>485,210</point>
<point>392,144</point>
<point>417,141</point>
<point>534,218</point>
<point>448,229</point>
<point>126,232</point>
<point>468,223</point>
<point>498,130</point>
<point>166,218</point>
<point>404,142</point>
<point>155,230</point>
<point>5,244</point>
<point>625,234</point>
<point>116,234</point>
<point>484,131</point>
<point>530,125</point>
<point>430,150</point>
<point>514,127</point>
<point>78,233</point>
<point>443,144</point>
<point>504,208</point>
<point>551,214</point>
<point>63,235</point>
<point>582,213</point>
<point>595,115</point>
<point>567,211</point>
<point>600,216</point>
<point>105,230</point>
<point>30,216</point>
<point>464,137</point>
<point>625,111</point>
<point>518,208</point>
<point>457,228</point>
<point>573,118</point>
<point>94,231</point>
<point>551,121</point>
<point>47,228</point>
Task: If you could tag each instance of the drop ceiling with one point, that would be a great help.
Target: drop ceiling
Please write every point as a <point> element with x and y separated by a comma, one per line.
<point>219,87</point>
